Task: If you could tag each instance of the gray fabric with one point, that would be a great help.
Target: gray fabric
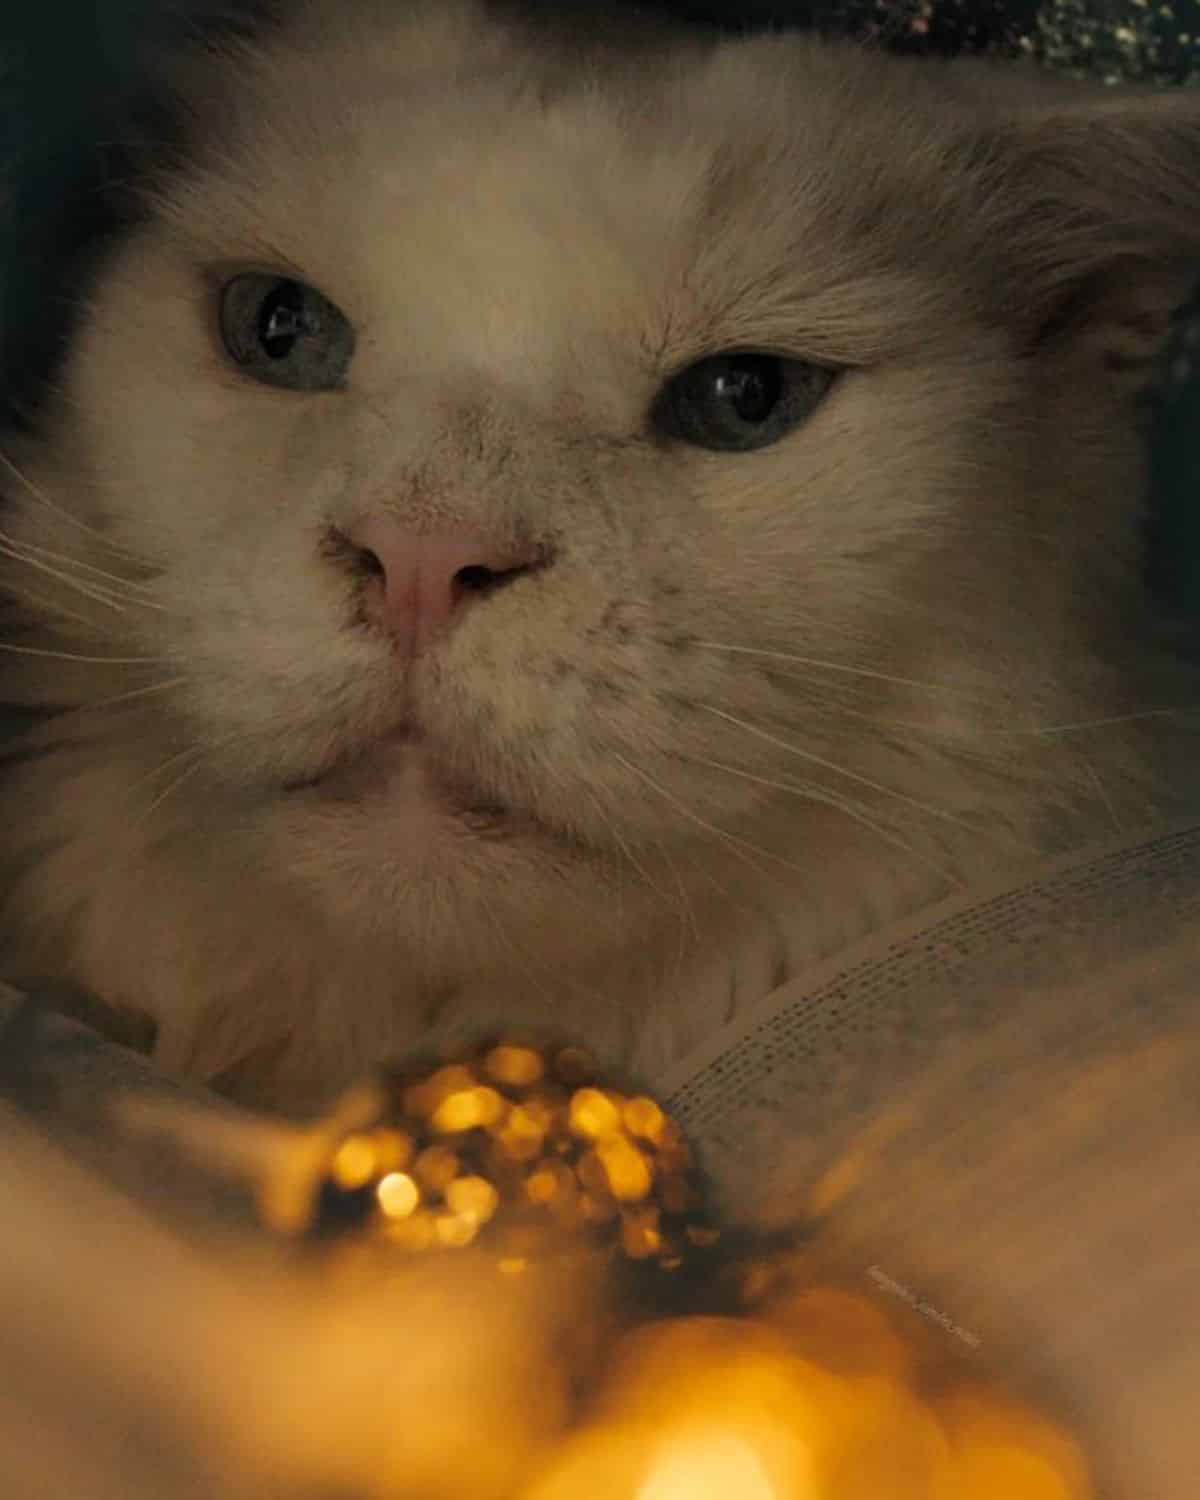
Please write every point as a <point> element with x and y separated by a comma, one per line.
<point>67,1080</point>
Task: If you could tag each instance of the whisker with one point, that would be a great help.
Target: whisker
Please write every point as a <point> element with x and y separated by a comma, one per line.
<point>991,732</point>
<point>195,751</point>
<point>114,661</point>
<point>829,765</point>
<point>168,791</point>
<point>43,499</point>
<point>833,666</point>
<point>91,591</point>
<point>57,727</point>
<point>533,964</point>
<point>825,798</point>
<point>142,692</point>
<point>126,587</point>
<point>931,687</point>
<point>742,847</point>
<point>521,957</point>
<point>682,906</point>
<point>623,846</point>
<point>962,745</point>
<point>687,915</point>
<point>1083,724</point>
<point>1101,790</point>
<point>23,594</point>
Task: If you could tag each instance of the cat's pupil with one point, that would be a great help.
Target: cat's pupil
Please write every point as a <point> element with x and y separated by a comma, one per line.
<point>285,317</point>
<point>752,384</point>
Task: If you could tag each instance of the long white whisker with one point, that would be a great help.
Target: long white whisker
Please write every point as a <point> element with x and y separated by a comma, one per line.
<point>834,666</point>
<point>43,499</point>
<point>994,733</point>
<point>91,591</point>
<point>687,915</point>
<point>1083,724</point>
<point>977,731</point>
<point>829,765</point>
<point>930,687</point>
<point>25,595</point>
<point>838,709</point>
<point>56,718</point>
<point>22,546</point>
<point>824,798</point>
<point>142,692</point>
<point>1101,790</point>
<point>185,775</point>
<point>533,965</point>
<point>623,846</point>
<point>127,590</point>
<point>112,661</point>
<point>521,956</point>
<point>742,847</point>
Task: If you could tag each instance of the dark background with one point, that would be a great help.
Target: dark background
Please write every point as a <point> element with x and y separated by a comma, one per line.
<point>72,88</point>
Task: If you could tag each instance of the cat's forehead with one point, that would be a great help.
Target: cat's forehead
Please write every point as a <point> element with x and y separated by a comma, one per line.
<point>462,170</point>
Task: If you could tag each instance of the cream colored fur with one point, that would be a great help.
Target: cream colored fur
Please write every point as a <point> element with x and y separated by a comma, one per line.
<point>758,703</point>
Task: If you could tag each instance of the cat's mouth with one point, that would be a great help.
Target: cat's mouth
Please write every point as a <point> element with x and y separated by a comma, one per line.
<point>404,769</point>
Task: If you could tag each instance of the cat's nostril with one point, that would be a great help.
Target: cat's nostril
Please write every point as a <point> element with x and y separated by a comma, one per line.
<point>478,579</point>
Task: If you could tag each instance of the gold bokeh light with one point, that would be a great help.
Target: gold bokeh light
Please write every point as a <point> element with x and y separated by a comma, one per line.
<point>803,1387</point>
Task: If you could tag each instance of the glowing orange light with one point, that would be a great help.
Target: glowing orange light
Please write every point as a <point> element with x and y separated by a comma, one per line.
<point>354,1162</point>
<point>643,1117</point>
<point>522,1133</point>
<point>999,1449</point>
<point>473,1197</point>
<point>639,1240</point>
<point>711,1466</point>
<point>593,1114</point>
<point>541,1186</point>
<point>398,1195</point>
<point>517,1067</point>
<point>627,1170</point>
<point>455,1230</point>
<point>393,1150</point>
<point>466,1110</point>
<point>436,1168</point>
<point>597,1210</point>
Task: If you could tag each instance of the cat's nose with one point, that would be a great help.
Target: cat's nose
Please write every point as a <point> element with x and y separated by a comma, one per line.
<point>420,583</point>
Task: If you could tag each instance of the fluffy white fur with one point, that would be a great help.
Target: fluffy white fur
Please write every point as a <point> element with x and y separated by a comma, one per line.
<point>757,703</point>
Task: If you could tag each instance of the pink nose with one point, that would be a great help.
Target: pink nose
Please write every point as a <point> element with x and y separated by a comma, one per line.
<point>422,582</point>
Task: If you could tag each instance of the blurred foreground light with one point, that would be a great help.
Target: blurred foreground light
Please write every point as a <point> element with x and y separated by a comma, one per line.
<point>709,1466</point>
<point>398,1195</point>
<point>752,1375</point>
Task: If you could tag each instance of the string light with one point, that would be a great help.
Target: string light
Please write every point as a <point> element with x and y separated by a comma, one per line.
<point>511,1145</point>
<point>753,1377</point>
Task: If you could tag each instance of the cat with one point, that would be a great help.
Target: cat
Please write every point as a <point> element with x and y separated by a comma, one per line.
<point>543,526</point>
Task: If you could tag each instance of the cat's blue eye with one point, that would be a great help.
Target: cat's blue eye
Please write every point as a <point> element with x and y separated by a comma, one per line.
<point>738,401</point>
<point>284,332</point>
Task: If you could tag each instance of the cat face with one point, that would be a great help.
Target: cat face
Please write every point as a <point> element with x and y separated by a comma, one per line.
<point>522,470</point>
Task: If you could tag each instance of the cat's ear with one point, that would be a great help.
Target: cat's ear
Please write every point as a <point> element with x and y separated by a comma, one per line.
<point>1096,205</point>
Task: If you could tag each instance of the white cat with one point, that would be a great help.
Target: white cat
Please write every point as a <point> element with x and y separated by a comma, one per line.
<point>547,530</point>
